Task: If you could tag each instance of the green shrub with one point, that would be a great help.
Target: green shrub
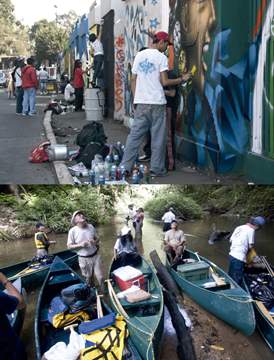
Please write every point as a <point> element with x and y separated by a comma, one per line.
<point>183,206</point>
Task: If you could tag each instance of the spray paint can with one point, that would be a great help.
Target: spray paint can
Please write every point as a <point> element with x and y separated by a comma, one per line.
<point>113,172</point>
<point>102,180</point>
<point>116,160</point>
<point>123,172</point>
<point>135,177</point>
<point>141,171</point>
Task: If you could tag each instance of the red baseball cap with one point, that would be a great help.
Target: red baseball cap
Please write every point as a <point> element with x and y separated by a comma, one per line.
<point>162,35</point>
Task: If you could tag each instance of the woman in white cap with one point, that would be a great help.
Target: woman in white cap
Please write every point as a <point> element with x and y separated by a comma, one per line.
<point>125,250</point>
<point>82,238</point>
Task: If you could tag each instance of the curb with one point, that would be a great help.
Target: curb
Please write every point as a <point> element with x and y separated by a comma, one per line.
<point>63,175</point>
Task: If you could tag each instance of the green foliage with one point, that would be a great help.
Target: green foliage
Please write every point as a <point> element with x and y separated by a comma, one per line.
<point>183,205</point>
<point>8,200</point>
<point>55,205</point>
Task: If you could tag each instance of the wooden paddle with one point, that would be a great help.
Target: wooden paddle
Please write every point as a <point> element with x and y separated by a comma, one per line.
<point>99,306</point>
<point>115,298</point>
<point>218,280</point>
<point>268,267</point>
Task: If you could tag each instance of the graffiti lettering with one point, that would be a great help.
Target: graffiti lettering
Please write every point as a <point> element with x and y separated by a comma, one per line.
<point>119,74</point>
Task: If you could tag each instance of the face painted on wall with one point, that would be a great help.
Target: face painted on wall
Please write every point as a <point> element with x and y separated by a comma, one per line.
<point>198,21</point>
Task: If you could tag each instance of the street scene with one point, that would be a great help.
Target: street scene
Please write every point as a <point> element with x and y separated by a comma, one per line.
<point>205,314</point>
<point>181,112</point>
<point>136,180</point>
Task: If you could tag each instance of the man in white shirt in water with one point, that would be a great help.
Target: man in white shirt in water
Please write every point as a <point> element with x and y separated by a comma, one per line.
<point>242,240</point>
<point>167,218</point>
<point>149,71</point>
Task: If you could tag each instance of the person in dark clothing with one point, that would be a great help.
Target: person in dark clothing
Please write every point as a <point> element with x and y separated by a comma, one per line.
<point>10,344</point>
<point>125,250</point>
<point>78,83</point>
<point>17,79</point>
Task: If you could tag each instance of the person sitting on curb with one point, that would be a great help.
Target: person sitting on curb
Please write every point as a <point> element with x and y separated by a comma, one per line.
<point>82,238</point>
<point>42,242</point>
<point>174,243</point>
<point>10,344</point>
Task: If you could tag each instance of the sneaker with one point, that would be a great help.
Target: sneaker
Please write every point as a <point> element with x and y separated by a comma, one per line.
<point>18,113</point>
<point>24,114</point>
<point>32,114</point>
<point>144,158</point>
<point>153,174</point>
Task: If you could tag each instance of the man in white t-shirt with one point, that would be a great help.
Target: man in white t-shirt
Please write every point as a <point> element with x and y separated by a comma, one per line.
<point>43,79</point>
<point>98,54</point>
<point>149,76</point>
<point>167,218</point>
<point>242,240</point>
<point>69,93</point>
<point>174,242</point>
<point>82,238</point>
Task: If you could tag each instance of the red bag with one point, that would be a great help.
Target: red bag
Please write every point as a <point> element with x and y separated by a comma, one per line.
<point>39,153</point>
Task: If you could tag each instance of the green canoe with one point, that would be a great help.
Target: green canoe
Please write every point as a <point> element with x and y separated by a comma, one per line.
<point>16,319</point>
<point>145,319</point>
<point>264,321</point>
<point>34,276</point>
<point>214,290</point>
<point>60,276</point>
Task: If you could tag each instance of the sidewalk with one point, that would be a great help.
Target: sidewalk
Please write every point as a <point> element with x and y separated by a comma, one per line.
<point>18,136</point>
<point>66,128</point>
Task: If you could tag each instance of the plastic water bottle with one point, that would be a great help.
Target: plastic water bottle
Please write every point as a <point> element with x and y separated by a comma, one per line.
<point>116,160</point>
<point>141,171</point>
<point>92,177</point>
<point>97,174</point>
<point>123,173</point>
<point>135,178</point>
<point>113,172</point>
<point>101,180</point>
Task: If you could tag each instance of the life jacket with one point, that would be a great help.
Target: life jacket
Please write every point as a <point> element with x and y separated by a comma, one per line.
<point>39,243</point>
<point>107,343</point>
<point>59,315</point>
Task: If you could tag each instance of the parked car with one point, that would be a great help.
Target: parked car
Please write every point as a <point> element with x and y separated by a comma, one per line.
<point>3,79</point>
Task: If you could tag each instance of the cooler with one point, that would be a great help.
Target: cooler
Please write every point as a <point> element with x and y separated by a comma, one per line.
<point>195,271</point>
<point>127,276</point>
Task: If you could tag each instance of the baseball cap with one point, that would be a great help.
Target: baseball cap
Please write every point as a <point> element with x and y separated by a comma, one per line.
<point>73,222</point>
<point>125,230</point>
<point>257,220</point>
<point>162,35</point>
<point>39,224</point>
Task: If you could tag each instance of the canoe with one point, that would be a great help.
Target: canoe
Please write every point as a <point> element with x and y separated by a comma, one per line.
<point>145,319</point>
<point>16,319</point>
<point>216,291</point>
<point>59,277</point>
<point>34,276</point>
<point>264,321</point>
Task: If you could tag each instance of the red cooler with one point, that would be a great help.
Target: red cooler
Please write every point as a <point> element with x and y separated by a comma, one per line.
<point>127,276</point>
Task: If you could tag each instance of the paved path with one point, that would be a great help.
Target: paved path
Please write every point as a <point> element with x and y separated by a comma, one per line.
<point>18,136</point>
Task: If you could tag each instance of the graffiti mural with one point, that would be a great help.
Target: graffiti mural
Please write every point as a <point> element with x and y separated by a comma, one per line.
<point>119,75</point>
<point>216,114</point>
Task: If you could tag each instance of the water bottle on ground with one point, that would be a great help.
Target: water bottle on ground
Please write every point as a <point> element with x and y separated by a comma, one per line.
<point>92,177</point>
<point>113,172</point>
<point>96,173</point>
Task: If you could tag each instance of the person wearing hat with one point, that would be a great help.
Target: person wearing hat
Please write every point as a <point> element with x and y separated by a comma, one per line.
<point>125,250</point>
<point>150,75</point>
<point>167,218</point>
<point>82,238</point>
<point>242,241</point>
<point>174,242</point>
<point>41,240</point>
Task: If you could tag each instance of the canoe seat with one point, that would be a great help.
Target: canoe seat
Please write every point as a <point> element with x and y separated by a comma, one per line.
<point>150,302</point>
<point>200,283</point>
<point>62,278</point>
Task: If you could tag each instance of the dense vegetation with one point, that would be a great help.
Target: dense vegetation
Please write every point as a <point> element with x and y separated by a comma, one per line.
<point>184,206</point>
<point>54,206</point>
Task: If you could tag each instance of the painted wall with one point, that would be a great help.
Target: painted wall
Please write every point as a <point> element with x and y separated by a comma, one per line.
<point>228,110</point>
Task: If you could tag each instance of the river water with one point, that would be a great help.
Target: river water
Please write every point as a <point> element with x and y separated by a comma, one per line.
<point>197,239</point>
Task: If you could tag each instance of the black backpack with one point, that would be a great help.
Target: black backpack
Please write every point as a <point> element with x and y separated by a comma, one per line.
<point>91,133</point>
<point>87,154</point>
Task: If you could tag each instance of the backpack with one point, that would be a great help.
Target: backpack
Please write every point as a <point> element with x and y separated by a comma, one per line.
<point>78,297</point>
<point>93,132</point>
<point>87,154</point>
<point>39,154</point>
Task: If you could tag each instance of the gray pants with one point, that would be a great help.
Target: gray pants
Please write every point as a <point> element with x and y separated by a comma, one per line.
<point>92,266</point>
<point>148,118</point>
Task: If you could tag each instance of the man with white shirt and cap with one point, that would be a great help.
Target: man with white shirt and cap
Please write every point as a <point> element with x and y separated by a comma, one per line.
<point>82,238</point>
<point>167,218</point>
<point>242,240</point>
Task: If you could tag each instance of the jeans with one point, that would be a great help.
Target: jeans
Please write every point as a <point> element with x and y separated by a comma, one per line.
<point>236,270</point>
<point>43,86</point>
<point>29,101</point>
<point>19,100</point>
<point>148,118</point>
<point>79,98</point>
<point>98,62</point>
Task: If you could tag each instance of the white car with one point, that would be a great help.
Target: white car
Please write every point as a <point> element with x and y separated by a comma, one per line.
<point>3,79</point>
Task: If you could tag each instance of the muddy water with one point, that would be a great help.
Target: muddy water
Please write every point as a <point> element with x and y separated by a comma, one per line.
<point>197,238</point>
